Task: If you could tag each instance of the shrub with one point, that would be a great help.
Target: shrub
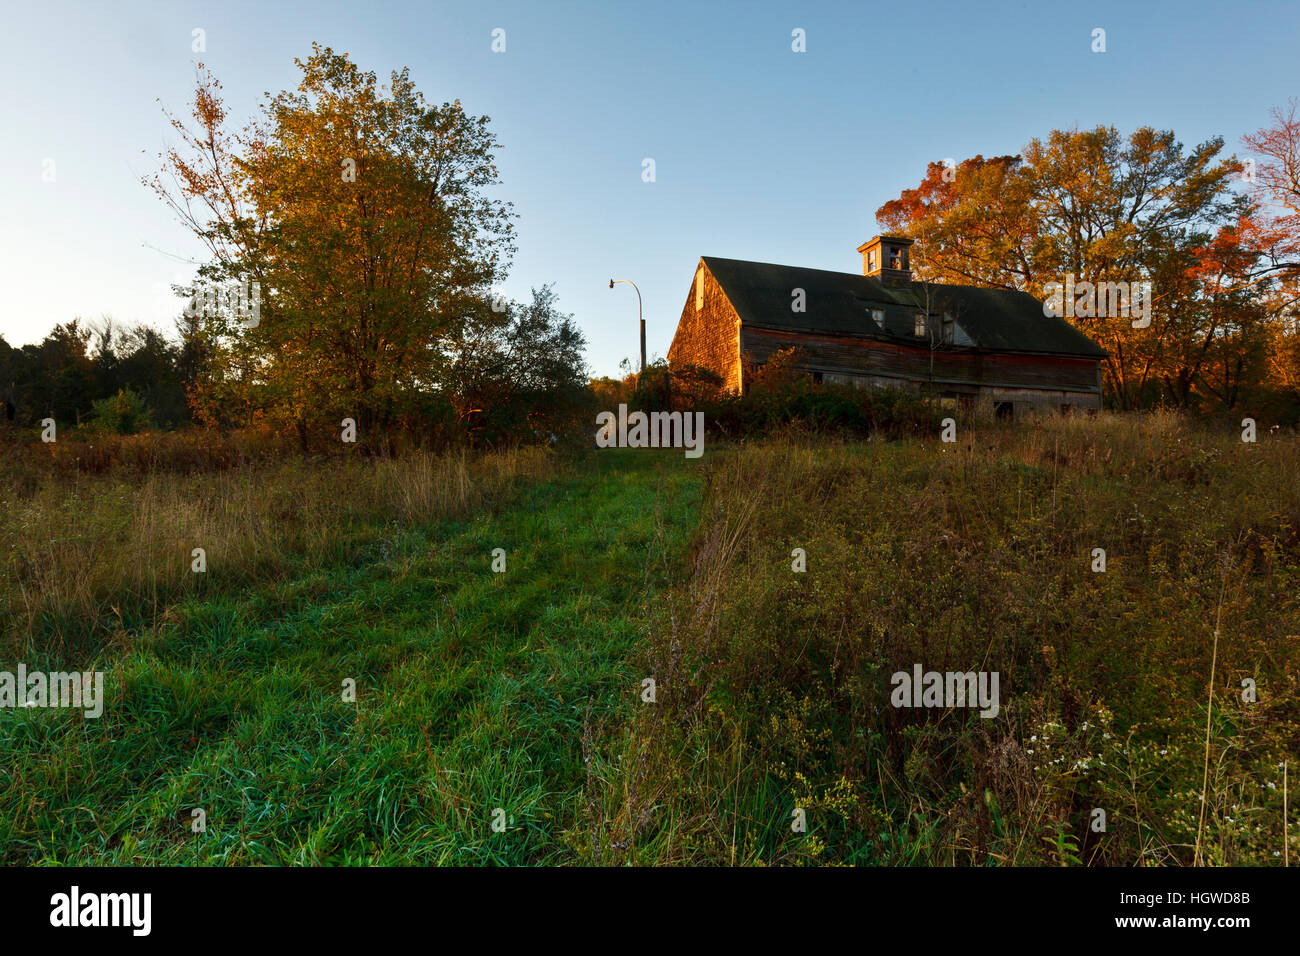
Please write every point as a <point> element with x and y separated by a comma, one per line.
<point>122,414</point>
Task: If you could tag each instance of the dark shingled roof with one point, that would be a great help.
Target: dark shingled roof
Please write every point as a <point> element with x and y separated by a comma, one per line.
<point>999,320</point>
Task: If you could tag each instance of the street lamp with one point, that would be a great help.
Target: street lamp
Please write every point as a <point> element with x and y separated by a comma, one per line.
<point>638,313</point>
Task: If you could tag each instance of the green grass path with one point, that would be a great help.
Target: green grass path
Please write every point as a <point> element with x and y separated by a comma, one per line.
<point>471,691</point>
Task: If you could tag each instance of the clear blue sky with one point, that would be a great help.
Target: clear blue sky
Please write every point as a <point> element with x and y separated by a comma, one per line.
<point>761,153</point>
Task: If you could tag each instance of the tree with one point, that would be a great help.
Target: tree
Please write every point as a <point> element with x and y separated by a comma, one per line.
<point>520,371</point>
<point>56,378</point>
<point>1276,187</point>
<point>363,215</point>
<point>9,371</point>
<point>141,360</point>
<point>1276,237</point>
<point>973,221</point>
<point>1098,209</point>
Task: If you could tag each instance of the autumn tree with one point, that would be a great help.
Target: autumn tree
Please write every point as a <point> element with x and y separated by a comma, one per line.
<point>973,221</point>
<point>1275,182</point>
<point>363,214</point>
<point>1098,208</point>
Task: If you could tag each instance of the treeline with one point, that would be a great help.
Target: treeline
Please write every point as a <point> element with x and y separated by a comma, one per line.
<point>121,377</point>
<point>520,378</point>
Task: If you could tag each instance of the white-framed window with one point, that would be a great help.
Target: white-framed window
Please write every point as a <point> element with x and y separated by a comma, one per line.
<point>919,328</point>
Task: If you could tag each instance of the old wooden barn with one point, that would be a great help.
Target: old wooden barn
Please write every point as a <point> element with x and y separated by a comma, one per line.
<point>962,344</point>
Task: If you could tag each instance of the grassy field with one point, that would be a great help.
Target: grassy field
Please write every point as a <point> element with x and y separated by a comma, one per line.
<point>472,687</point>
<point>976,556</point>
<point>523,690</point>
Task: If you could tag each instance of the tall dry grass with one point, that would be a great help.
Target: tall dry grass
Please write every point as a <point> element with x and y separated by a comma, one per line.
<point>87,555</point>
<point>773,686</point>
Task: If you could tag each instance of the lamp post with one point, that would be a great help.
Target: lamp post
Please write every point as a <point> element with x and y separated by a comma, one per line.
<point>639,315</point>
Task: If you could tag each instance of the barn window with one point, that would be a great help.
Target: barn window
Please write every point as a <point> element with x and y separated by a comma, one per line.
<point>871,260</point>
<point>878,316</point>
<point>919,329</point>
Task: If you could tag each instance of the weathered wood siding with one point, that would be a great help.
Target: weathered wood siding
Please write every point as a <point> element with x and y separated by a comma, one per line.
<point>965,370</point>
<point>708,336</point>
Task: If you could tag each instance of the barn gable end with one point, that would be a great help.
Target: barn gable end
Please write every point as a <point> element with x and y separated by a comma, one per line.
<point>708,333</point>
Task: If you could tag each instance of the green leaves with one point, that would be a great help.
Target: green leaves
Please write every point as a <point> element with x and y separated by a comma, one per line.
<point>362,212</point>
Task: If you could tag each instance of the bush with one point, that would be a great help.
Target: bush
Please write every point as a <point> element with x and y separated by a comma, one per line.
<point>779,395</point>
<point>122,414</point>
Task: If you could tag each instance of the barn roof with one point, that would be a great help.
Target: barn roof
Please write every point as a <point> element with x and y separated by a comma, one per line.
<point>1001,320</point>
